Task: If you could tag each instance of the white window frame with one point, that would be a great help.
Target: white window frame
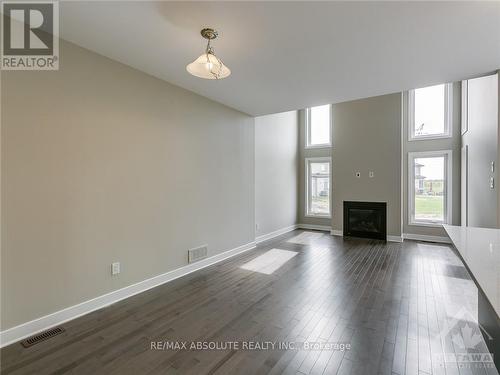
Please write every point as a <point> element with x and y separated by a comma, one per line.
<point>308,144</point>
<point>448,154</point>
<point>308,197</point>
<point>465,107</point>
<point>448,116</point>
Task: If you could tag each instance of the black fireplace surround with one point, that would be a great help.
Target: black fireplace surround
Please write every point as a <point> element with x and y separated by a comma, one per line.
<point>365,219</point>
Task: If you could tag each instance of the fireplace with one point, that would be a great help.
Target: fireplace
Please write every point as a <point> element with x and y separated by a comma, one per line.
<point>365,219</point>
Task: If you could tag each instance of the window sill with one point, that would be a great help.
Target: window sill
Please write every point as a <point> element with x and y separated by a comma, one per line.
<point>319,216</point>
<point>325,145</point>
<point>426,224</point>
<point>429,137</point>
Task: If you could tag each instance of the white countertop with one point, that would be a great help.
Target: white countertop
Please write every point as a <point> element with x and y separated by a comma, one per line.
<point>480,249</point>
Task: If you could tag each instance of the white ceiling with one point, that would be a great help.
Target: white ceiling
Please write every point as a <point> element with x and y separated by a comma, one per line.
<point>290,55</point>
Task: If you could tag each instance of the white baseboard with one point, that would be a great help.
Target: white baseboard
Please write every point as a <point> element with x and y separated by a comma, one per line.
<point>315,227</point>
<point>279,232</point>
<point>423,237</point>
<point>335,232</point>
<point>395,238</point>
<point>24,330</point>
<point>276,233</point>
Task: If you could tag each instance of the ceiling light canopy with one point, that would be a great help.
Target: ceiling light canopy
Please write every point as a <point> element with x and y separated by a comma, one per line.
<point>208,65</point>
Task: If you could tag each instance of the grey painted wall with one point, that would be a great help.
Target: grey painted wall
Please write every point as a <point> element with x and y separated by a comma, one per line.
<point>453,144</point>
<point>482,141</point>
<point>367,137</point>
<point>103,163</point>
<point>309,153</point>
<point>276,171</point>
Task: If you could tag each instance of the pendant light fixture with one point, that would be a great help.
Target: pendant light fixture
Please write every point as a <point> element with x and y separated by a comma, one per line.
<point>208,65</point>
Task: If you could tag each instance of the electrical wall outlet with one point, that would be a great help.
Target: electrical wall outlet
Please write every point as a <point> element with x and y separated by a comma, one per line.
<point>115,268</point>
<point>358,174</point>
<point>371,174</point>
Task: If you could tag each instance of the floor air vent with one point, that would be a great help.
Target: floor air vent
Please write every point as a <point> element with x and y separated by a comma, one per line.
<point>30,341</point>
<point>197,254</point>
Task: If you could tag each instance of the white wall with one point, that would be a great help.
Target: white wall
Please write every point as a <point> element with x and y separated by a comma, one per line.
<point>103,163</point>
<point>276,172</point>
<point>481,140</point>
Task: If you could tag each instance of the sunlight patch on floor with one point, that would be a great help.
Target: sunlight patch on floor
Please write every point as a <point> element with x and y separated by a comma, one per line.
<point>305,238</point>
<point>270,261</point>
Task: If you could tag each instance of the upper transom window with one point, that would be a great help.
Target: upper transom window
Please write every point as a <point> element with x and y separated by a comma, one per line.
<point>430,112</point>
<point>318,126</point>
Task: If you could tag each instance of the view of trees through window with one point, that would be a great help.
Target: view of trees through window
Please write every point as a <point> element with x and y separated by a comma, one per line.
<point>429,188</point>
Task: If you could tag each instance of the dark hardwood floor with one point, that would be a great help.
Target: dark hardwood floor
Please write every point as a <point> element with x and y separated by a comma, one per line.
<point>390,302</point>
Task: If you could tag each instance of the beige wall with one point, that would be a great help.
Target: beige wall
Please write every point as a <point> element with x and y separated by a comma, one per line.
<point>305,153</point>
<point>452,144</point>
<point>102,163</point>
<point>276,172</point>
<point>367,137</point>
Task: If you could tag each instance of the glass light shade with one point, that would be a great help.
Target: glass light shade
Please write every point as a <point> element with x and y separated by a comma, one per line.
<point>208,66</point>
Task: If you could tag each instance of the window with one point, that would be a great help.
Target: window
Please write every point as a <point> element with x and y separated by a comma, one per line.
<point>318,187</point>
<point>318,126</point>
<point>429,188</point>
<point>429,112</point>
